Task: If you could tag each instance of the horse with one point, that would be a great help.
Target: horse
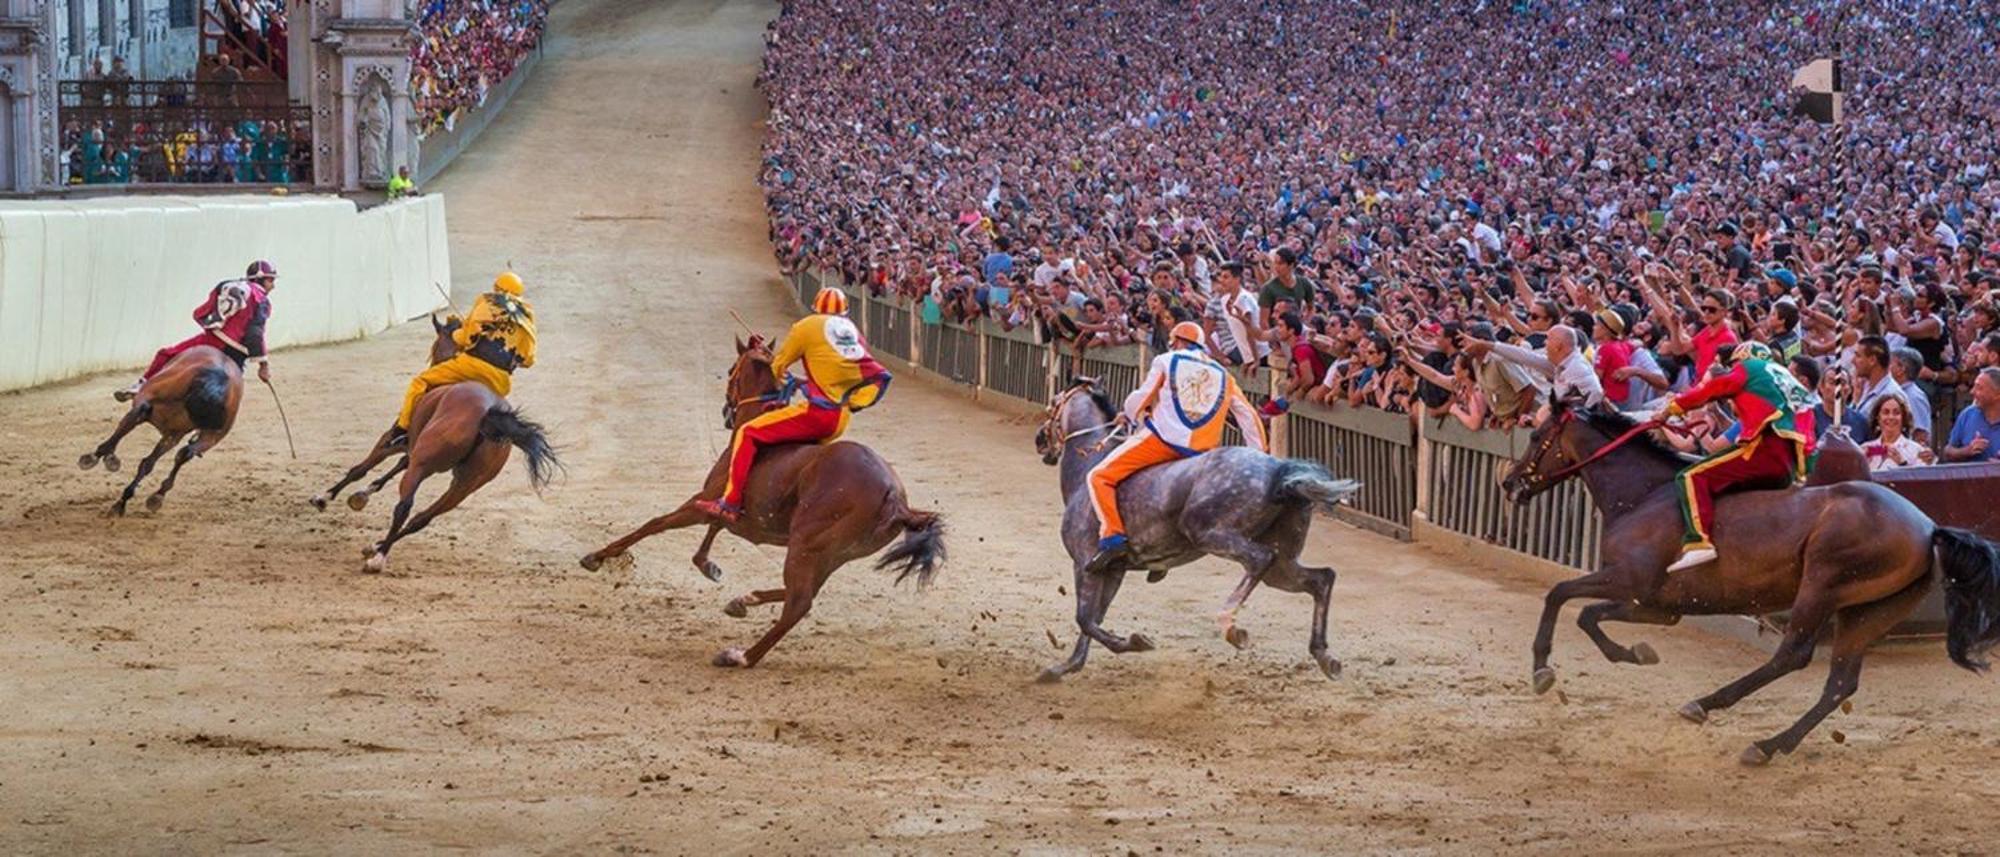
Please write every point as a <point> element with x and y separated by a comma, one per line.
<point>196,392</point>
<point>828,504</point>
<point>464,428</point>
<point>1855,553</point>
<point>442,348</point>
<point>1234,503</point>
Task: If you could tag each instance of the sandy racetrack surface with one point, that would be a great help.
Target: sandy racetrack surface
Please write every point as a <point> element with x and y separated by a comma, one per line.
<point>218,676</point>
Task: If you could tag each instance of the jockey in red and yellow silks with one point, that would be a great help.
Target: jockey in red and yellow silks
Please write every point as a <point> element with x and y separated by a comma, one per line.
<point>494,340</point>
<point>1180,405</point>
<point>841,378</point>
<point>1773,449</point>
<point>232,321</point>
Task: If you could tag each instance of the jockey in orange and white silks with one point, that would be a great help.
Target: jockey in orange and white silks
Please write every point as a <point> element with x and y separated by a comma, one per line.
<point>1179,405</point>
<point>841,378</point>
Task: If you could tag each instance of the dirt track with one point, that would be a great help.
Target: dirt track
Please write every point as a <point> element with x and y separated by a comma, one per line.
<point>219,677</point>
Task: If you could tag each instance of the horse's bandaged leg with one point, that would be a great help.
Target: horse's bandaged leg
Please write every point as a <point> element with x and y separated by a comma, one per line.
<point>1135,454</point>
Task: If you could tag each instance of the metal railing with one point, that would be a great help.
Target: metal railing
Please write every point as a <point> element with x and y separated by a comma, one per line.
<point>951,351</point>
<point>1377,447</point>
<point>125,132</point>
<point>1118,369</point>
<point>1017,365</point>
<point>888,327</point>
<point>1464,497</point>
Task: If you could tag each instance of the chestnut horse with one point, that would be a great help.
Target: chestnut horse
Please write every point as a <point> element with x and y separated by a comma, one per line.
<point>197,392</point>
<point>1855,553</point>
<point>828,504</point>
<point>464,428</point>
<point>443,348</point>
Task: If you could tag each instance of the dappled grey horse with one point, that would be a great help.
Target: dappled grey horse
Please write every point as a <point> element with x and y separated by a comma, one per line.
<point>1232,502</point>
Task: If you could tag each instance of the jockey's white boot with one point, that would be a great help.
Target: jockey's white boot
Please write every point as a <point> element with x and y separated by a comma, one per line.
<point>1691,558</point>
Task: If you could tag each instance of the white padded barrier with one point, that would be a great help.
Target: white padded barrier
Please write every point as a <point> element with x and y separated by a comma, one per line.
<point>93,285</point>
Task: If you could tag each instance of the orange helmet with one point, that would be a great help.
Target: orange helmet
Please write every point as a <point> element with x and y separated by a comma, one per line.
<point>1188,331</point>
<point>830,301</point>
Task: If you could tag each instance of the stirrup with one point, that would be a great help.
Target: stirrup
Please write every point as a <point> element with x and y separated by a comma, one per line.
<point>1111,555</point>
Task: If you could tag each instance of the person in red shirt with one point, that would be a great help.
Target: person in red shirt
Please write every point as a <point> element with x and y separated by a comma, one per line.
<point>1614,352</point>
<point>1715,336</point>
<point>232,321</point>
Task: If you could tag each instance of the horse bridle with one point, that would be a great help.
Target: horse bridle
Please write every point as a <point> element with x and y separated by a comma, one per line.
<point>1528,471</point>
<point>1055,413</point>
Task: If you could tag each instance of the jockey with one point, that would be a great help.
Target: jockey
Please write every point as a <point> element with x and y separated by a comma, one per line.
<point>232,321</point>
<point>1772,450</point>
<point>1178,403</point>
<point>841,378</point>
<point>496,338</point>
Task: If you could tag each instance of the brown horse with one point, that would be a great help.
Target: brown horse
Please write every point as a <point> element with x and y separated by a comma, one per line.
<point>197,392</point>
<point>466,429</point>
<point>1854,553</point>
<point>828,504</point>
<point>442,348</point>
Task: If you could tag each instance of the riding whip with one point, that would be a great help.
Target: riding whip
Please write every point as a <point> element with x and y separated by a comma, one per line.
<point>282,419</point>
<point>447,299</point>
<point>744,324</point>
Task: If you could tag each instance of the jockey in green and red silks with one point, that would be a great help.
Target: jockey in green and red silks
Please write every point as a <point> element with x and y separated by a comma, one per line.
<point>1773,449</point>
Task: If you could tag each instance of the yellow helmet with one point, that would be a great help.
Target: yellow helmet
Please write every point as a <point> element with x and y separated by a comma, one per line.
<point>508,282</point>
<point>830,301</point>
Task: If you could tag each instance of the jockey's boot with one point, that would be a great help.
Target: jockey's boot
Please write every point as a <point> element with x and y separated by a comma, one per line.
<point>1691,556</point>
<point>129,393</point>
<point>1112,554</point>
<point>720,511</point>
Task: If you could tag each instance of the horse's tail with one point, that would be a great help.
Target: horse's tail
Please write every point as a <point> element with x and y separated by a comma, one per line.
<point>1971,569</point>
<point>1300,481</point>
<point>506,425</point>
<point>207,399</point>
<point>922,549</point>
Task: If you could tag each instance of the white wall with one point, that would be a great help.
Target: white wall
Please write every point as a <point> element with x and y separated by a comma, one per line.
<point>92,285</point>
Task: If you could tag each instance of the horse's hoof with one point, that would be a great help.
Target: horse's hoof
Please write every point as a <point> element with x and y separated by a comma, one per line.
<point>117,510</point>
<point>1051,675</point>
<point>1138,643</point>
<point>318,502</point>
<point>1694,713</point>
<point>711,571</point>
<point>1545,678</point>
<point>1329,665</point>
<point>731,658</point>
<point>735,609</point>
<point>1156,575</point>
<point>1237,637</point>
<point>357,500</point>
<point>86,461</point>
<point>376,564</point>
<point>370,550</point>
<point>1755,756</point>
<point>591,562</point>
<point>154,502</point>
<point>112,464</point>
<point>1643,654</point>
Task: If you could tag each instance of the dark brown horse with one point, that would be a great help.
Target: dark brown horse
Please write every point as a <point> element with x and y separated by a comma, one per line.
<point>391,442</point>
<point>195,393</point>
<point>1854,554</point>
<point>464,428</point>
<point>828,504</point>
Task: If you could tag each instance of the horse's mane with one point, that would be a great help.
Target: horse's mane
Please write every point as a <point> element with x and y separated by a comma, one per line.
<point>1102,400</point>
<point>1614,423</point>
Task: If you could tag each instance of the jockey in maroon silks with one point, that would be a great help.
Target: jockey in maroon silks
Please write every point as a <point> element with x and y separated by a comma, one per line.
<point>232,321</point>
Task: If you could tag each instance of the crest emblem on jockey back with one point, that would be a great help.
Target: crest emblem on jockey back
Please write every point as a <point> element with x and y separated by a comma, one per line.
<point>840,334</point>
<point>1198,390</point>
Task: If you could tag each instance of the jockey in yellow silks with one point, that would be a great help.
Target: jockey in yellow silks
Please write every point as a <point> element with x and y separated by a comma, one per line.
<point>841,378</point>
<point>497,338</point>
<point>1180,406</point>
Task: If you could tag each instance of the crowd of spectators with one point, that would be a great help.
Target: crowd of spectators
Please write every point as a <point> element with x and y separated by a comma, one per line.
<point>205,152</point>
<point>1406,201</point>
<point>466,47</point>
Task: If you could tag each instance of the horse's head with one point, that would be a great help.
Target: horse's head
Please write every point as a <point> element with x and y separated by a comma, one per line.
<point>1552,454</point>
<point>444,347</point>
<point>752,388</point>
<point>1080,407</point>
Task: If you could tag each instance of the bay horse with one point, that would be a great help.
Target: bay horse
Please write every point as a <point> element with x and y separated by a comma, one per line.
<point>464,428</point>
<point>1233,502</point>
<point>1853,553</point>
<point>197,393</point>
<point>828,504</point>
<point>443,348</point>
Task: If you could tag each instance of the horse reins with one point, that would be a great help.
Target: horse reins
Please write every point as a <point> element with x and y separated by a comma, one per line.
<point>1572,469</point>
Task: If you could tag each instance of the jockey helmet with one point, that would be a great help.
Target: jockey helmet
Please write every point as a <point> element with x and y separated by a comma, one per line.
<point>830,301</point>
<point>1752,350</point>
<point>508,282</point>
<point>1189,332</point>
<point>261,271</point>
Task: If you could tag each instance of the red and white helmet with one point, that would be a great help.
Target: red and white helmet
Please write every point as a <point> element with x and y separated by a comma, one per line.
<point>830,301</point>
<point>261,271</point>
